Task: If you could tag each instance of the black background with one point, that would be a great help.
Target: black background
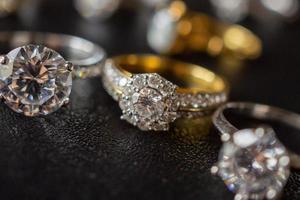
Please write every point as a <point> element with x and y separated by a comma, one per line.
<point>85,151</point>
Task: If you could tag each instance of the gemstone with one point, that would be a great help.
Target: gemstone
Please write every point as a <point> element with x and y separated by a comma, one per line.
<point>39,81</point>
<point>250,163</point>
<point>149,103</point>
<point>122,82</point>
<point>146,106</point>
<point>162,31</point>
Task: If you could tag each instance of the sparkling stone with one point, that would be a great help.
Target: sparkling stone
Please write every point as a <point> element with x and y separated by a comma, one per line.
<point>39,82</point>
<point>139,81</point>
<point>149,103</point>
<point>249,163</point>
<point>154,81</point>
<point>152,109</point>
<point>162,31</point>
<point>124,105</point>
<point>122,82</point>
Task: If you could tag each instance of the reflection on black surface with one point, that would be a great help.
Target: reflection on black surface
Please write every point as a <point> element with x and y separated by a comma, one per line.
<point>191,131</point>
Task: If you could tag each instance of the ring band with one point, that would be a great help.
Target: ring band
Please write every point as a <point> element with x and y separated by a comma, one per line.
<point>151,102</point>
<point>35,79</point>
<point>175,29</point>
<point>253,162</point>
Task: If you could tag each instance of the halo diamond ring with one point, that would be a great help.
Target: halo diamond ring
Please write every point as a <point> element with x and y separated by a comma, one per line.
<point>150,101</point>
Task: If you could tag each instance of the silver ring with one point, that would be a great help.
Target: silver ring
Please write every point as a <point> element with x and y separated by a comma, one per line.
<point>253,163</point>
<point>35,79</point>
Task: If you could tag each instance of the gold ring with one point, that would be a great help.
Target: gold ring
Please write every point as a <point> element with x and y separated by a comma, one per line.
<point>175,29</point>
<point>142,86</point>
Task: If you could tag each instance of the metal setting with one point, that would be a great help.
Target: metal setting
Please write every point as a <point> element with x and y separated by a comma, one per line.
<point>252,162</point>
<point>151,102</point>
<point>35,79</point>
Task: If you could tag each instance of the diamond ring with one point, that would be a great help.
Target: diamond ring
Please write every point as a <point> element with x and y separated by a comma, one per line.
<point>175,29</point>
<point>148,100</point>
<point>253,163</point>
<point>37,80</point>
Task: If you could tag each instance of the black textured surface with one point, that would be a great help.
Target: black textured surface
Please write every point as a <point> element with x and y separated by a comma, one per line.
<point>85,152</point>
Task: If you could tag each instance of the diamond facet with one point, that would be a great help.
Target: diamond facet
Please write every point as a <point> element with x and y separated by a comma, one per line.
<point>249,164</point>
<point>36,81</point>
<point>147,106</point>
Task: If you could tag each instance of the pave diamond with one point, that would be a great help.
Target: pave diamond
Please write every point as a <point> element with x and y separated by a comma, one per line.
<point>149,106</point>
<point>254,164</point>
<point>36,80</point>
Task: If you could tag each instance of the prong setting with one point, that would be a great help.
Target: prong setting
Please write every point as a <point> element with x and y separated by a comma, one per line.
<point>251,162</point>
<point>52,85</point>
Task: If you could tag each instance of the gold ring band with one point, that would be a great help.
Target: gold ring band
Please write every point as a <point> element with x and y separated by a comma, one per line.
<point>169,89</point>
<point>175,29</point>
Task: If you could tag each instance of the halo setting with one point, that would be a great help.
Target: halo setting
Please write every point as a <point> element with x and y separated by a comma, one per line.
<point>150,102</point>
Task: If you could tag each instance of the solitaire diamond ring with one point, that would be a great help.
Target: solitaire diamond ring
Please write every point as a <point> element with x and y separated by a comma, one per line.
<point>150,101</point>
<point>35,79</point>
<point>253,163</point>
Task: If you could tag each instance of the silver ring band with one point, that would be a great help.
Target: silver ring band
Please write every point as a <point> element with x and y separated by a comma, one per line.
<point>258,111</point>
<point>87,57</point>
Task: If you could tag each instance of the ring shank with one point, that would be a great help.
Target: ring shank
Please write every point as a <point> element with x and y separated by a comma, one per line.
<point>191,78</point>
<point>86,56</point>
<point>258,111</point>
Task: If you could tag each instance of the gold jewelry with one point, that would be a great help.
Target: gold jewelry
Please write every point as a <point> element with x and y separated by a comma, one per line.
<point>174,30</point>
<point>151,102</point>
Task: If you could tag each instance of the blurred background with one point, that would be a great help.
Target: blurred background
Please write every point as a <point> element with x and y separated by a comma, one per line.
<point>88,153</point>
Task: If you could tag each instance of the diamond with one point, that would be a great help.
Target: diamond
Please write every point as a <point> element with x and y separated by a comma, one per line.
<point>39,80</point>
<point>122,82</point>
<point>251,165</point>
<point>146,105</point>
<point>154,81</point>
<point>149,103</point>
<point>139,81</point>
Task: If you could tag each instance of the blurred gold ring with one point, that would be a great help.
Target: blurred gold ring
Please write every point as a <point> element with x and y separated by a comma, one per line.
<point>175,29</point>
<point>151,102</point>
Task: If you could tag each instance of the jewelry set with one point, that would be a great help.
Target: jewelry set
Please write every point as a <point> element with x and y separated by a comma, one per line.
<point>153,91</point>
